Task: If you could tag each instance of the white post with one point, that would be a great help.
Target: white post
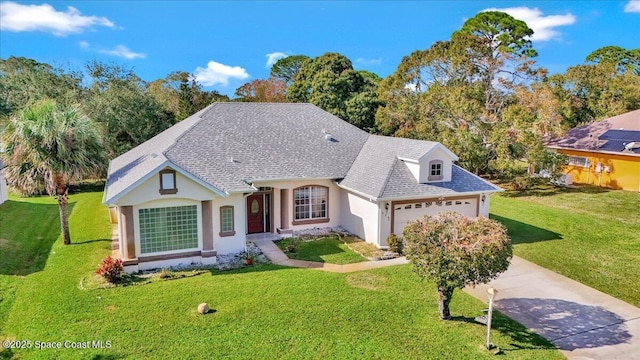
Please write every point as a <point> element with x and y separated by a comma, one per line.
<point>492,293</point>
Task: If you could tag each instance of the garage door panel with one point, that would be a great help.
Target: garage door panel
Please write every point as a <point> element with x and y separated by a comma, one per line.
<point>404,213</point>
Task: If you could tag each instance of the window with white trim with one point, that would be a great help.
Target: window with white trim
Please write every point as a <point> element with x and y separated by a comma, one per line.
<point>435,170</point>
<point>310,202</point>
<point>578,161</point>
<point>226,221</point>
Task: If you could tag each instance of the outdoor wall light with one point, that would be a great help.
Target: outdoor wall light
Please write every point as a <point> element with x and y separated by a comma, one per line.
<point>483,198</point>
<point>386,206</point>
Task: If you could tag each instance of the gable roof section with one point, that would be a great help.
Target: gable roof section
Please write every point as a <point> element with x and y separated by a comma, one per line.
<point>402,184</point>
<point>371,169</point>
<point>607,136</point>
<point>134,166</point>
<point>379,173</point>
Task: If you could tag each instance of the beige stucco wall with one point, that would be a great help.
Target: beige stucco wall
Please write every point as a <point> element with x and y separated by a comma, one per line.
<point>149,190</point>
<point>334,201</point>
<point>360,216</point>
<point>483,207</point>
<point>146,195</point>
<point>230,244</point>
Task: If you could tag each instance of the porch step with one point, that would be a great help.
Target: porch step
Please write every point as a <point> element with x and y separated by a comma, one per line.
<point>285,231</point>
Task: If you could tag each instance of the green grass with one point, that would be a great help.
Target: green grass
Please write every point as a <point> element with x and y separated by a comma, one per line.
<point>262,312</point>
<point>588,234</point>
<point>327,250</point>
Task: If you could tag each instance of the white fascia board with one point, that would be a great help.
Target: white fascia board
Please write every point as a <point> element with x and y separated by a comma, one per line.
<point>444,195</point>
<point>366,196</point>
<point>453,156</point>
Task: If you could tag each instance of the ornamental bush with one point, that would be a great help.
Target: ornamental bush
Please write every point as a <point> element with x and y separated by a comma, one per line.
<point>454,251</point>
<point>111,269</point>
<point>395,244</point>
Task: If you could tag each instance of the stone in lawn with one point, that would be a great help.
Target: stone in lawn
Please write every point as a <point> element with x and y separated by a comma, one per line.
<point>203,308</point>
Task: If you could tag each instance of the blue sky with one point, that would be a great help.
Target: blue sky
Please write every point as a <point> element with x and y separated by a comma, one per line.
<point>226,44</point>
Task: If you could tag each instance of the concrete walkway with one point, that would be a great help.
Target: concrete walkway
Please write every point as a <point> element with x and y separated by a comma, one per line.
<point>273,252</point>
<point>582,322</point>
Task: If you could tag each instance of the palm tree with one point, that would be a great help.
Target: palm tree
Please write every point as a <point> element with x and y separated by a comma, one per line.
<point>57,144</point>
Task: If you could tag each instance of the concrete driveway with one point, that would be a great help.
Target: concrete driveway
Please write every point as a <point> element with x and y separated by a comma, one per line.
<point>582,322</point>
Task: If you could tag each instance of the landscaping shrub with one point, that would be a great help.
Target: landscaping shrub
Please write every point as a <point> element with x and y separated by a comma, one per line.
<point>111,269</point>
<point>395,243</point>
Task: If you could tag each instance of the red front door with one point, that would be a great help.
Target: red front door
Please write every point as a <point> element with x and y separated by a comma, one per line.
<point>255,214</point>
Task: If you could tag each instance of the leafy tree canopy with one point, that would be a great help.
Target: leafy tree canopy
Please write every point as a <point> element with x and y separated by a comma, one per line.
<point>330,82</point>
<point>287,68</point>
<point>260,90</point>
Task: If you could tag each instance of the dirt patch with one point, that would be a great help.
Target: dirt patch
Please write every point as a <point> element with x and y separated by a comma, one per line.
<point>5,244</point>
<point>367,281</point>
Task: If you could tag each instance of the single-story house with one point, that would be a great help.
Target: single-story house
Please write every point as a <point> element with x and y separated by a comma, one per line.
<point>4,192</point>
<point>199,188</point>
<point>604,153</point>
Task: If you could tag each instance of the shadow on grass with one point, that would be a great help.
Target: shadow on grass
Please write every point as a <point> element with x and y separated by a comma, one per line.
<point>107,241</point>
<point>552,190</point>
<point>522,233</point>
<point>108,357</point>
<point>523,338</point>
<point>568,324</point>
<point>27,234</point>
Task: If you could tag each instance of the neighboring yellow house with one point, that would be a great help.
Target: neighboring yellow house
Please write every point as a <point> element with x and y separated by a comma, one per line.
<point>604,153</point>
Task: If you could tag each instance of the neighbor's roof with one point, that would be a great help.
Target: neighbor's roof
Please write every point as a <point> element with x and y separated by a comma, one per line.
<point>608,135</point>
<point>228,146</point>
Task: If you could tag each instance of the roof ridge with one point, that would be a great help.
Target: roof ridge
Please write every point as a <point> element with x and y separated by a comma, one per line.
<point>200,114</point>
<point>386,180</point>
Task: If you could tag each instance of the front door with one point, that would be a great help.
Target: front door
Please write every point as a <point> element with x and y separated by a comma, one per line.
<point>255,213</point>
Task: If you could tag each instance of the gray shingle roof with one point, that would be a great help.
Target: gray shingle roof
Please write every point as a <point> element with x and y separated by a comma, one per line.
<point>370,171</point>
<point>132,166</point>
<point>402,184</point>
<point>236,143</point>
<point>229,145</point>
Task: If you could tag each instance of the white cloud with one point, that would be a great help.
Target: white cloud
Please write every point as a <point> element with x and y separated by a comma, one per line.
<point>633,6</point>
<point>119,51</point>
<point>17,18</point>
<point>124,52</point>
<point>216,73</point>
<point>369,62</point>
<point>273,57</point>
<point>543,26</point>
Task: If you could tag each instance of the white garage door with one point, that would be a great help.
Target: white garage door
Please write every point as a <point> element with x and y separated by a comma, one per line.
<point>406,212</point>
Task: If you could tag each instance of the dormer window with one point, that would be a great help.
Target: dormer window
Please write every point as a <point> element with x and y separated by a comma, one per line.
<point>168,182</point>
<point>435,170</point>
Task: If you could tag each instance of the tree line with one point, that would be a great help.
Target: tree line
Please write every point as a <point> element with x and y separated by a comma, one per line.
<point>480,93</point>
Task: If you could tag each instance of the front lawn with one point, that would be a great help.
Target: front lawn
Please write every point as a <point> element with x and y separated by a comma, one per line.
<point>588,234</point>
<point>262,312</point>
<point>327,250</point>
